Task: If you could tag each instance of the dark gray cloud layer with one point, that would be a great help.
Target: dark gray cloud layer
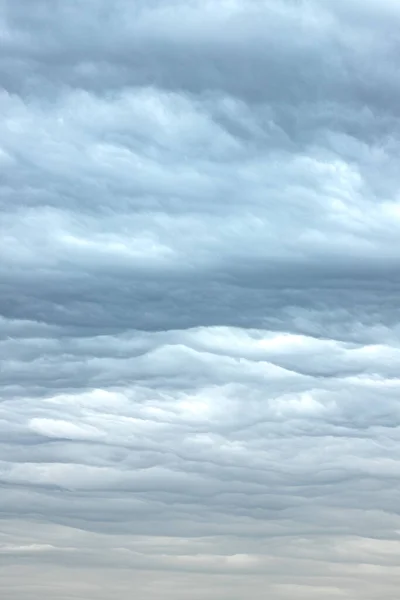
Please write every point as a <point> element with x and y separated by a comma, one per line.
<point>199,279</point>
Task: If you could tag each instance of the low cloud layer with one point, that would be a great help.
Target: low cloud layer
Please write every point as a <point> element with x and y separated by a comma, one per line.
<point>199,279</point>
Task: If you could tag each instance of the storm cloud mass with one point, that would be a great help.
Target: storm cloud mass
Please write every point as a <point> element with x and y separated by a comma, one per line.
<point>199,299</point>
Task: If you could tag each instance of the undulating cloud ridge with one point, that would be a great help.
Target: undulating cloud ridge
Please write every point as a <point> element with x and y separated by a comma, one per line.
<point>199,303</point>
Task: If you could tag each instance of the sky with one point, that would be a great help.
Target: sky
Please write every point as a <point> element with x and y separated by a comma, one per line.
<point>199,299</point>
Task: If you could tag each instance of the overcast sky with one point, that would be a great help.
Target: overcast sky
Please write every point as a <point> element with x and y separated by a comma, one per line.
<point>199,299</point>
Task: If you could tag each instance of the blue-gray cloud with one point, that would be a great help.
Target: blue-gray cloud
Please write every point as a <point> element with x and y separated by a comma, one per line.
<point>199,272</point>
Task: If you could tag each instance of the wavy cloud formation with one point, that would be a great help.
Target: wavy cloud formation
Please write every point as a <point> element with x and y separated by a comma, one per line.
<point>199,323</point>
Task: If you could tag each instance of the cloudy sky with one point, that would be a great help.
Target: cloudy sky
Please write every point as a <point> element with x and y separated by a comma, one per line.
<point>199,299</point>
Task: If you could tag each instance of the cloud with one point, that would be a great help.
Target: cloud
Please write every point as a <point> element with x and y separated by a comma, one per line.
<point>199,334</point>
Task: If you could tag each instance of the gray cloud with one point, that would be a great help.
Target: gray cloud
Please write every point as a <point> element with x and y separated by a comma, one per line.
<point>199,282</point>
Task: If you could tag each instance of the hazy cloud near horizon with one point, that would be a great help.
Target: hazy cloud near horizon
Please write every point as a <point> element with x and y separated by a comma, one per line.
<point>199,299</point>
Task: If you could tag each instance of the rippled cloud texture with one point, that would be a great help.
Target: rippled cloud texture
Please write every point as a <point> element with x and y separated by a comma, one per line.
<point>200,339</point>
